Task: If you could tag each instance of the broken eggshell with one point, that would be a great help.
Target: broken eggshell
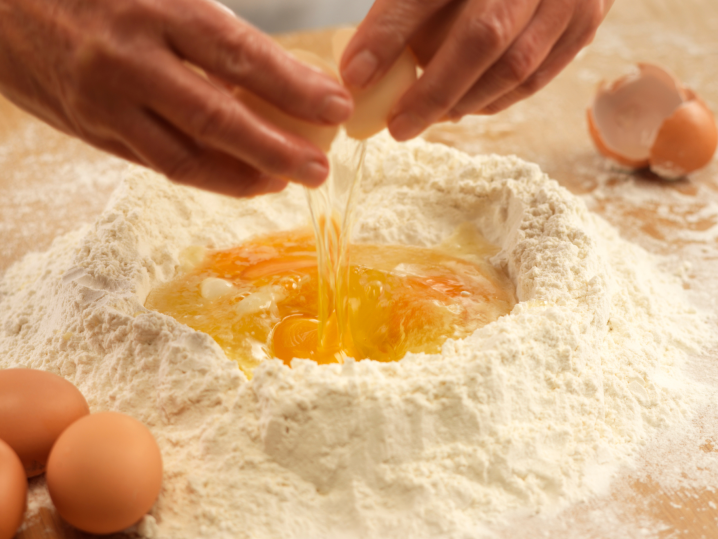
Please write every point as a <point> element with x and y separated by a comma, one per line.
<point>648,119</point>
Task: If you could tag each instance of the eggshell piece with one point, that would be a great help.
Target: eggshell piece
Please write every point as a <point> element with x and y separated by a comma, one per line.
<point>13,491</point>
<point>627,114</point>
<point>104,472</point>
<point>372,105</point>
<point>321,136</point>
<point>685,142</point>
<point>648,119</point>
<point>35,408</point>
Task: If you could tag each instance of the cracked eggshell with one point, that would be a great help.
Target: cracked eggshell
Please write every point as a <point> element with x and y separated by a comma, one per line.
<point>648,119</point>
<point>372,105</point>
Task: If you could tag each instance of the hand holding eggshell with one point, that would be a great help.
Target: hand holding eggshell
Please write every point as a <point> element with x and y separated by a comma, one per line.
<point>648,119</point>
<point>372,105</point>
<point>321,136</point>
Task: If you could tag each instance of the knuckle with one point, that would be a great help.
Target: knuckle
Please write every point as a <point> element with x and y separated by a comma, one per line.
<point>595,17</point>
<point>433,100</point>
<point>482,33</point>
<point>533,84</point>
<point>519,64</point>
<point>280,163</point>
<point>208,122</point>
<point>181,168</point>
<point>243,55</point>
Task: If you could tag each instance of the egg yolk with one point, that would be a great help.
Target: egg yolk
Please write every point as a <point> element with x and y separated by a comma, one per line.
<point>261,299</point>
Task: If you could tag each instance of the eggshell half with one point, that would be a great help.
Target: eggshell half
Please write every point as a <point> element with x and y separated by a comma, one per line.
<point>648,119</point>
<point>321,136</point>
<point>13,491</point>
<point>104,472</point>
<point>35,407</point>
<point>372,105</point>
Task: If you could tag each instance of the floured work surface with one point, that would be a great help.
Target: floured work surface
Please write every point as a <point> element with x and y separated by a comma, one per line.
<point>671,495</point>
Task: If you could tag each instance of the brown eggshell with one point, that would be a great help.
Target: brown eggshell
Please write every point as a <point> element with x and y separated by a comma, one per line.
<point>373,105</point>
<point>13,492</point>
<point>104,473</point>
<point>35,407</point>
<point>648,119</point>
<point>321,136</point>
<point>686,141</point>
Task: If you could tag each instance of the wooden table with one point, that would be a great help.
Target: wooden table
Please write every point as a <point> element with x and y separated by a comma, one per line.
<point>49,184</point>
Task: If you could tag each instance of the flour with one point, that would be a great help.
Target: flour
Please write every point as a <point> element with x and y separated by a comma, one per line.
<point>528,414</point>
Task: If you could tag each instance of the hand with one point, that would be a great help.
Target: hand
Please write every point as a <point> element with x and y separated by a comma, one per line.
<point>479,56</point>
<point>113,73</point>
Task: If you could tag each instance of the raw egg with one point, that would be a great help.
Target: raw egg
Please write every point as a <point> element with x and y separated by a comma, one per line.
<point>390,300</point>
<point>13,491</point>
<point>35,407</point>
<point>372,105</point>
<point>104,472</point>
<point>648,119</point>
<point>321,136</point>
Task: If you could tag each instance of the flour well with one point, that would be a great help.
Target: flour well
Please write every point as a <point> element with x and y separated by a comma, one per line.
<point>529,413</point>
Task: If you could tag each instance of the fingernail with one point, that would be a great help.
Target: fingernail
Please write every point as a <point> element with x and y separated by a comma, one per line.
<point>336,109</point>
<point>360,69</point>
<point>313,173</point>
<point>406,126</point>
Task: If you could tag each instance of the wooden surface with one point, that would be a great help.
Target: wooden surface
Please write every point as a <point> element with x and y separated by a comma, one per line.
<point>49,184</point>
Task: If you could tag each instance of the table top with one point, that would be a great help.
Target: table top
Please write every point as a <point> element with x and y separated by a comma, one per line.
<point>50,184</point>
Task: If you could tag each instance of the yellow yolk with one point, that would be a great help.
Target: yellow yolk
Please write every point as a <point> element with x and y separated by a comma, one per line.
<point>260,299</point>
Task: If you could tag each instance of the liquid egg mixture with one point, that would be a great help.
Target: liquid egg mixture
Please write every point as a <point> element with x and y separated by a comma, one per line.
<point>262,299</point>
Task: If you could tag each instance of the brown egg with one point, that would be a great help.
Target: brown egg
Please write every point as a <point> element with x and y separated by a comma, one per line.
<point>373,105</point>
<point>648,119</point>
<point>13,491</point>
<point>104,472</point>
<point>35,407</point>
<point>321,136</point>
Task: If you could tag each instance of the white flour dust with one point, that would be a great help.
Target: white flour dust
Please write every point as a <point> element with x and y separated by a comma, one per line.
<point>531,412</point>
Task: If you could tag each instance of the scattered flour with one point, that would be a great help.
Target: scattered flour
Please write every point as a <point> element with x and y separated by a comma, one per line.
<point>530,413</point>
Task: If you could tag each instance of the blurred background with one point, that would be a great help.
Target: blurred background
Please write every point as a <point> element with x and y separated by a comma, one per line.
<point>277,16</point>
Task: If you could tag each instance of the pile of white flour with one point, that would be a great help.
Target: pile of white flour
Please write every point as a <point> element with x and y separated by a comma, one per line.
<point>532,411</point>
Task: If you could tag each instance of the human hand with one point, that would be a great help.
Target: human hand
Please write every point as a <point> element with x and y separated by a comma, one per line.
<point>479,56</point>
<point>113,73</point>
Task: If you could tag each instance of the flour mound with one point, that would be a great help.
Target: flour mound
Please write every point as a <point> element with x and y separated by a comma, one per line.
<point>530,412</point>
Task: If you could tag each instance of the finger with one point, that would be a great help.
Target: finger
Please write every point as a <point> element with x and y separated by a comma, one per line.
<point>429,38</point>
<point>168,151</point>
<point>382,36</point>
<point>218,121</point>
<point>480,36</point>
<point>208,36</point>
<point>521,60</point>
<point>568,46</point>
